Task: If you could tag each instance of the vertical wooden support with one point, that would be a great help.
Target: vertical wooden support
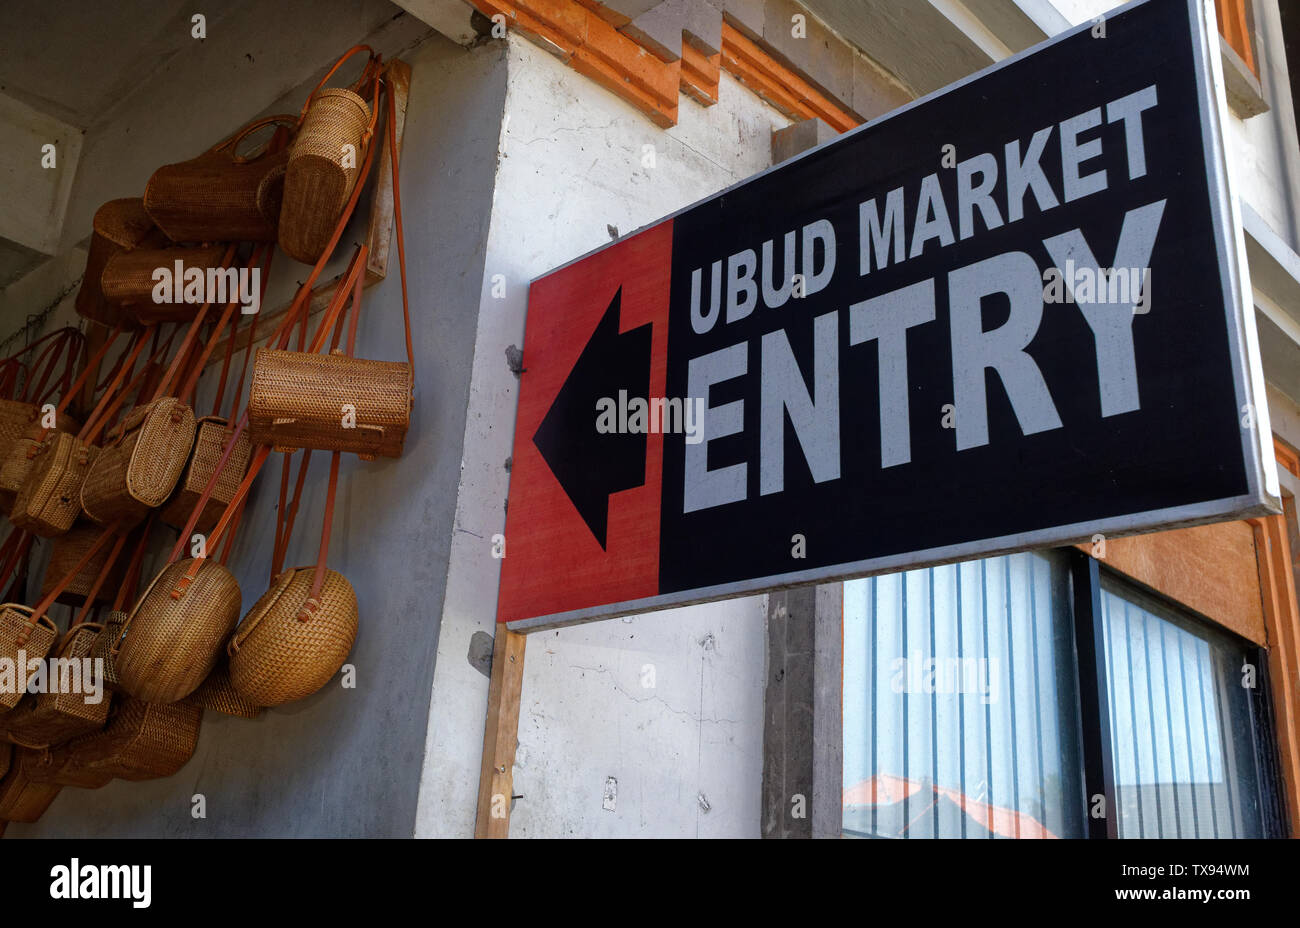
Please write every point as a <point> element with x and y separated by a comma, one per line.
<point>500,736</point>
<point>1277,585</point>
<point>379,240</point>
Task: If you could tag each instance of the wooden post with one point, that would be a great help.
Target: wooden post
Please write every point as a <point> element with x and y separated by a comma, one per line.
<point>500,736</point>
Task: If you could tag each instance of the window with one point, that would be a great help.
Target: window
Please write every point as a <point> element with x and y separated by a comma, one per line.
<point>1178,710</point>
<point>1010,696</point>
<point>959,699</point>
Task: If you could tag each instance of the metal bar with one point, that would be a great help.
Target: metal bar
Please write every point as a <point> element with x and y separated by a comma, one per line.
<point>1098,766</point>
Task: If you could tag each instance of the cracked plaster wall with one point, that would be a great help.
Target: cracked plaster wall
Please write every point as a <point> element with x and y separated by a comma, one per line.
<point>685,756</point>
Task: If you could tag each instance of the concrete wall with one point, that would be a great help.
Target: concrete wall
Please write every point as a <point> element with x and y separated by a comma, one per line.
<point>347,762</point>
<point>572,169</point>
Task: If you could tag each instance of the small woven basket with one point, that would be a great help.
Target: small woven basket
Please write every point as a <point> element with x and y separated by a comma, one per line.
<point>105,642</point>
<point>276,656</point>
<point>66,553</point>
<point>49,500</point>
<point>140,464</point>
<point>23,638</point>
<point>172,642</point>
<point>119,225</point>
<point>322,170</point>
<point>330,402</point>
<point>142,741</point>
<point>50,718</point>
<point>129,281</point>
<point>209,442</point>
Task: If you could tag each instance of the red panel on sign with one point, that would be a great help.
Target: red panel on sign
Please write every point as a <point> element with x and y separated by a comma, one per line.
<point>554,561</point>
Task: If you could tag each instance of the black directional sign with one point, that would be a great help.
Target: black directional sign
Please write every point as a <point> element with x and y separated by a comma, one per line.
<point>1008,315</point>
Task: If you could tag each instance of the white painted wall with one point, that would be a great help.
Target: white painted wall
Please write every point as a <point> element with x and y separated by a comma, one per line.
<point>571,165</point>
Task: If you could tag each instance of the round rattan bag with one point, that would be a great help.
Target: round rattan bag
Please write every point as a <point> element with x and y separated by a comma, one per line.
<point>281,651</point>
<point>174,635</point>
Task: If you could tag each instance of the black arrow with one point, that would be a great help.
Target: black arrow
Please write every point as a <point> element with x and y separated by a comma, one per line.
<point>590,465</point>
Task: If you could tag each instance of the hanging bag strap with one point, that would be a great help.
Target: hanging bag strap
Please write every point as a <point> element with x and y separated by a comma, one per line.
<point>99,581</point>
<point>191,334</point>
<point>39,610</point>
<point>75,388</point>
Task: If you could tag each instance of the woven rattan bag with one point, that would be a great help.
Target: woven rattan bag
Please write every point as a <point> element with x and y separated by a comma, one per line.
<point>130,281</point>
<point>212,434</point>
<point>24,636</point>
<point>24,797</point>
<point>50,718</point>
<point>142,741</point>
<point>335,128</point>
<point>173,637</point>
<point>333,402</point>
<point>218,694</point>
<point>20,456</point>
<point>115,621</point>
<point>53,765</point>
<point>49,500</point>
<point>287,647</point>
<point>27,633</point>
<point>222,196</point>
<point>140,464</point>
<point>119,225</point>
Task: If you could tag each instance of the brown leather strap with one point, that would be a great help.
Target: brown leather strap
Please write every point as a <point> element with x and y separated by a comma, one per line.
<point>100,578</point>
<point>131,582</point>
<point>318,578</point>
<point>259,458</point>
<point>191,334</point>
<point>48,599</point>
<point>192,381</point>
<point>89,433</point>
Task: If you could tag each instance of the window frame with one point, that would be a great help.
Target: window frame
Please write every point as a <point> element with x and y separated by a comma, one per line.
<point>1094,703</point>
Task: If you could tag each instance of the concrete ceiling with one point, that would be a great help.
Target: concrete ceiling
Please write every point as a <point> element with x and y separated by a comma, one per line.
<point>75,59</point>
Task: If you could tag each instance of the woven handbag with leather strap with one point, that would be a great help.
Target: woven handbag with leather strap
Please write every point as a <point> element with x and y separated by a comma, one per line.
<point>147,452</point>
<point>334,132</point>
<point>336,402</point>
<point>223,196</point>
<point>26,632</point>
<point>119,226</point>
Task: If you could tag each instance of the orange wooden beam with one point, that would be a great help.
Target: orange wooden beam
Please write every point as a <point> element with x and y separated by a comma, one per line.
<point>700,74</point>
<point>592,46</point>
<point>779,85</point>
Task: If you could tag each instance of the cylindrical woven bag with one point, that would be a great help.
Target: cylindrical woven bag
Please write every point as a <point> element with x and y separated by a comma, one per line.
<point>23,797</point>
<point>140,463</point>
<point>66,553</point>
<point>219,694</point>
<point>50,718</point>
<point>120,225</point>
<point>16,458</point>
<point>49,500</point>
<point>23,638</point>
<point>129,282</point>
<point>275,657</point>
<point>221,196</point>
<point>142,740</point>
<point>210,440</point>
<point>172,642</point>
<point>102,650</point>
<point>330,402</point>
<point>319,177</point>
